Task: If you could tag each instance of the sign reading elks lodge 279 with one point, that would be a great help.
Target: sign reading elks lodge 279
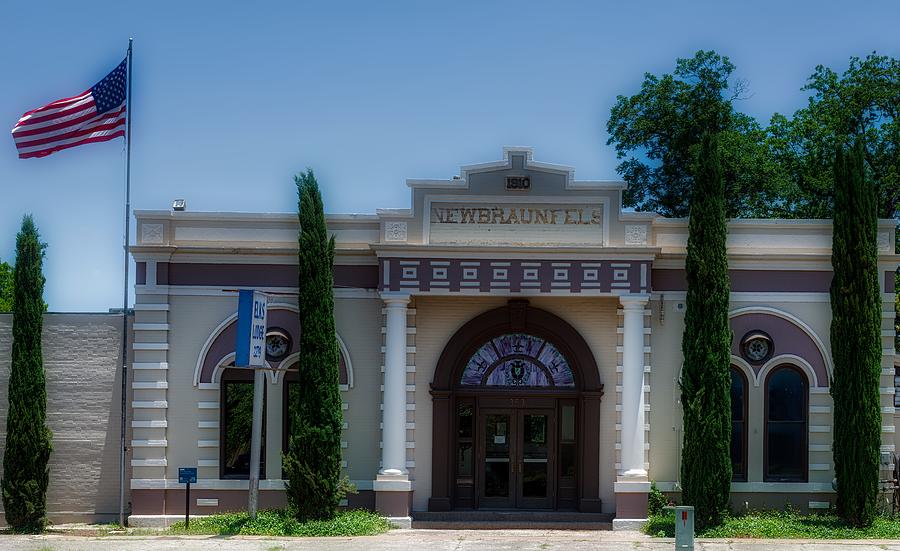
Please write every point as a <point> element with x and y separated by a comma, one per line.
<point>532,223</point>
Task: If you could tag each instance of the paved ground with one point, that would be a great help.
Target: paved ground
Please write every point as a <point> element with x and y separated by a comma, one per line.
<point>450,540</point>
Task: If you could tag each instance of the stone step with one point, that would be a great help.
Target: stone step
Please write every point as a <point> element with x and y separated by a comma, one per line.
<point>512,520</point>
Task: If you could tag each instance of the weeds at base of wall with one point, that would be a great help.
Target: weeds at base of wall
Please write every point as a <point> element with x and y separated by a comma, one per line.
<point>780,525</point>
<point>280,523</point>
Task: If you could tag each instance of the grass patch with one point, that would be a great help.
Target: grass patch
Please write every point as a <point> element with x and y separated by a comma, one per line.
<point>780,525</point>
<point>280,523</point>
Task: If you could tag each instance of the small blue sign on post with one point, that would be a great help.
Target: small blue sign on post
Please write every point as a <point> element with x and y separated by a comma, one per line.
<point>250,346</point>
<point>187,475</point>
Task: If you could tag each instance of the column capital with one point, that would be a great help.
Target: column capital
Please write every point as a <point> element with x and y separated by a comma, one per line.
<point>635,302</point>
<point>394,298</point>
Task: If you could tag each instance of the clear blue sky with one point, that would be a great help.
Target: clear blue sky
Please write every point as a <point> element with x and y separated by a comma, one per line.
<point>231,99</point>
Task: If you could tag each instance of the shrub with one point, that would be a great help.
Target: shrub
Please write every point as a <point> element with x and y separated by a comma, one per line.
<point>26,473</point>
<point>656,500</point>
<point>706,345</point>
<point>856,341</point>
<point>312,463</point>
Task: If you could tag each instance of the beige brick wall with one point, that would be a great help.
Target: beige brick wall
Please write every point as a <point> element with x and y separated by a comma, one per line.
<point>359,325</point>
<point>82,359</point>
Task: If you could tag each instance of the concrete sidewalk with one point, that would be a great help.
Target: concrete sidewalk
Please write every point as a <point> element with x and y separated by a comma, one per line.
<point>441,540</point>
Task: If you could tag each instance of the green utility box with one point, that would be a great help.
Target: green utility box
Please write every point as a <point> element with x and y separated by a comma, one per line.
<point>684,527</point>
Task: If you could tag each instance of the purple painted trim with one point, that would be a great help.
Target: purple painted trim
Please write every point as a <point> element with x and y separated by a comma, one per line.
<point>752,281</point>
<point>224,343</point>
<point>360,277</point>
<point>140,273</point>
<point>665,279</point>
<point>780,281</point>
<point>631,505</point>
<point>258,275</point>
<point>162,273</point>
<point>890,282</point>
<point>233,275</point>
<point>171,502</point>
<point>454,275</point>
<point>787,338</point>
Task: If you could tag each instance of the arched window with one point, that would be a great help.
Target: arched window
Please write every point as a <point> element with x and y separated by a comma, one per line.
<point>518,360</point>
<point>786,450</point>
<point>236,411</point>
<point>738,425</point>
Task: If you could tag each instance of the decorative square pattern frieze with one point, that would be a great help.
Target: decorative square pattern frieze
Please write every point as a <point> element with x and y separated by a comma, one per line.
<point>151,233</point>
<point>395,231</point>
<point>468,276</point>
<point>636,234</point>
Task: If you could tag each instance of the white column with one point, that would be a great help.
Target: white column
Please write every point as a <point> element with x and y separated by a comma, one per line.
<point>633,387</point>
<point>393,451</point>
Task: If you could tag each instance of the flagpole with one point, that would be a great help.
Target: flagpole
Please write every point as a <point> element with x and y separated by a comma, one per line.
<point>122,448</point>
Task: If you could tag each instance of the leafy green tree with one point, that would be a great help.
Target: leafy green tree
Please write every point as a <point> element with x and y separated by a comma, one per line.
<point>6,287</point>
<point>312,464</point>
<point>855,339</point>
<point>863,102</point>
<point>706,345</point>
<point>657,133</point>
<point>28,439</point>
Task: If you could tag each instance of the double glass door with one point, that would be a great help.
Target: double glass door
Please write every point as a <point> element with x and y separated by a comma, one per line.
<point>518,459</point>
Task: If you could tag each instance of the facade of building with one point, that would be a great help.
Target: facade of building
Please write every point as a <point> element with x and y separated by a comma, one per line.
<point>512,341</point>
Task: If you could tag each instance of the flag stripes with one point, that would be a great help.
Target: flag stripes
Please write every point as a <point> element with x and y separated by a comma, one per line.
<point>96,115</point>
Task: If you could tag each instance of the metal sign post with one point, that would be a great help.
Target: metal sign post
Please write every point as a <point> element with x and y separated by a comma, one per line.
<point>186,476</point>
<point>259,385</point>
<point>250,351</point>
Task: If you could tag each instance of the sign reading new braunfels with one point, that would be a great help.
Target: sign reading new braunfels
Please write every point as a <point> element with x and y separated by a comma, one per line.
<point>529,223</point>
<point>250,348</point>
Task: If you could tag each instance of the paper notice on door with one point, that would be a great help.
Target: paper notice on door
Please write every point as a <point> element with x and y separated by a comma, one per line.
<point>499,439</point>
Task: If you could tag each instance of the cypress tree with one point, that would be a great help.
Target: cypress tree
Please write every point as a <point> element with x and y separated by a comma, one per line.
<point>855,340</point>
<point>28,440</point>
<point>312,464</point>
<point>706,345</point>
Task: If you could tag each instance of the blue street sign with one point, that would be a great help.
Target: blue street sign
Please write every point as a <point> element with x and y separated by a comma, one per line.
<point>187,475</point>
<point>250,346</point>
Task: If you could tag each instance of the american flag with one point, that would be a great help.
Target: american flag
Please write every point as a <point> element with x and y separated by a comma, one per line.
<point>95,115</point>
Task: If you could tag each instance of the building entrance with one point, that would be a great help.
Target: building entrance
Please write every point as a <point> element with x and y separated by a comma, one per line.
<point>518,459</point>
<point>516,453</point>
<point>511,402</point>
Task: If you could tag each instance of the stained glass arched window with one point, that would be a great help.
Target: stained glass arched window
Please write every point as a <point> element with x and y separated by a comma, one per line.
<point>518,360</point>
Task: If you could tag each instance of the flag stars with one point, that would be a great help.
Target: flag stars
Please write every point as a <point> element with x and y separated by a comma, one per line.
<point>110,92</point>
